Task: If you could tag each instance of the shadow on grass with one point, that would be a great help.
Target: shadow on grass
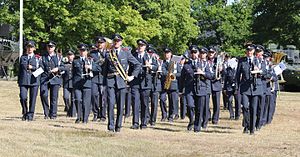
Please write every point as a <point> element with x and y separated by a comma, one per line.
<point>12,119</point>
<point>166,129</point>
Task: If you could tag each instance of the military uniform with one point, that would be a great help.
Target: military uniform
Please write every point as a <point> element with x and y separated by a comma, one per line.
<point>172,92</point>
<point>250,88</point>
<point>82,84</point>
<point>50,82</point>
<point>27,81</point>
<point>229,89</point>
<point>195,90</point>
<point>116,85</point>
<point>99,93</point>
<point>68,91</point>
<point>141,87</point>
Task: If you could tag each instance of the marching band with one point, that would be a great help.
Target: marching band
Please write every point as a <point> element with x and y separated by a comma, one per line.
<point>136,81</point>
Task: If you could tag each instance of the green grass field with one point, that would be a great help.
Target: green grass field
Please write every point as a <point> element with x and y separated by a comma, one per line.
<point>62,137</point>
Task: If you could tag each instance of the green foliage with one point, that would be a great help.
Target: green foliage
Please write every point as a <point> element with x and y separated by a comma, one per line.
<point>277,21</point>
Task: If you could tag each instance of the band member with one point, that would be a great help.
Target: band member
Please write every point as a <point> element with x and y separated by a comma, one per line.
<point>193,80</point>
<point>50,80</point>
<point>82,83</point>
<point>170,72</point>
<point>230,86</point>
<point>248,75</point>
<point>156,84</point>
<point>68,91</point>
<point>216,85</point>
<point>27,81</point>
<point>141,86</point>
<point>117,60</point>
<point>99,94</point>
<point>204,62</point>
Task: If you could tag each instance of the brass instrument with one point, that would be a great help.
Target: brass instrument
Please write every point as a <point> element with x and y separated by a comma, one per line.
<point>88,71</point>
<point>117,65</point>
<point>220,59</point>
<point>277,57</point>
<point>170,76</point>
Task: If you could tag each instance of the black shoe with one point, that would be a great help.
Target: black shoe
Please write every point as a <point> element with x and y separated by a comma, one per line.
<point>134,127</point>
<point>24,118</point>
<point>95,119</point>
<point>46,117</point>
<point>176,117</point>
<point>214,122</point>
<point>237,118</point>
<point>118,129</point>
<point>196,131</point>
<point>29,119</point>
<point>190,127</point>
<point>152,123</point>
<point>52,117</point>
<point>251,132</point>
<point>246,130</point>
<point>77,121</point>
<point>231,118</point>
<point>163,119</point>
<point>143,126</point>
<point>102,119</point>
<point>170,120</point>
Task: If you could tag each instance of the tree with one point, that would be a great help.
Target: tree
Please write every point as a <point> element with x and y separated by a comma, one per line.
<point>277,21</point>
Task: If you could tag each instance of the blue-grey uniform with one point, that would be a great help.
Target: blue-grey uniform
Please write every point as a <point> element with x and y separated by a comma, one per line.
<point>172,92</point>
<point>195,90</point>
<point>141,87</point>
<point>27,81</point>
<point>274,90</point>
<point>229,89</point>
<point>68,91</point>
<point>156,90</point>
<point>99,93</point>
<point>216,88</point>
<point>82,84</point>
<point>116,85</point>
<point>50,82</point>
<point>250,86</point>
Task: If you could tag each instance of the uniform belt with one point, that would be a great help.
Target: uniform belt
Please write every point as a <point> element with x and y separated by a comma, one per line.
<point>112,74</point>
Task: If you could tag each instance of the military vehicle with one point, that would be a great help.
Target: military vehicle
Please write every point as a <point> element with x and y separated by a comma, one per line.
<point>9,54</point>
<point>291,76</point>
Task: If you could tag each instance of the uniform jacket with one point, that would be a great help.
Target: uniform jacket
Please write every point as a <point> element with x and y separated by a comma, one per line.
<point>25,76</point>
<point>67,76</point>
<point>98,59</point>
<point>48,63</point>
<point>165,69</point>
<point>80,81</point>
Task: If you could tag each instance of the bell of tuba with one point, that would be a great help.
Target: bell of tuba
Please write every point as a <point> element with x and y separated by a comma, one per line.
<point>276,59</point>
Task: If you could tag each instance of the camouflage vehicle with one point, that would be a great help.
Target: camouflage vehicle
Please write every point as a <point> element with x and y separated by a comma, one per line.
<point>291,76</point>
<point>9,54</point>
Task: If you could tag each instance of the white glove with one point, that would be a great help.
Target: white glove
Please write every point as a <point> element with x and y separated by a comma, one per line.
<point>130,78</point>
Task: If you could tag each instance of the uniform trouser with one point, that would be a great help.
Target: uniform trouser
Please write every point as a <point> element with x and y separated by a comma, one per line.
<point>163,104</point>
<point>206,114</point>
<point>225,103</point>
<point>44,90</point>
<point>33,90</point>
<point>115,96</point>
<point>266,109</point>
<point>154,104</point>
<point>237,104</point>
<point>249,111</point>
<point>216,106</point>
<point>69,100</point>
<point>260,110</point>
<point>229,96</point>
<point>128,102</point>
<point>191,103</point>
<point>140,98</point>
<point>173,103</point>
<point>99,100</point>
<point>83,103</point>
<point>272,107</point>
<point>199,111</point>
<point>183,106</point>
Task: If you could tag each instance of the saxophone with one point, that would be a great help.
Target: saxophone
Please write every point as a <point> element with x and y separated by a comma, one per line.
<point>170,76</point>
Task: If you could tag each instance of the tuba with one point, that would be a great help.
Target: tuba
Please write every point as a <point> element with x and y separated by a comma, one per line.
<point>170,76</point>
<point>276,59</point>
